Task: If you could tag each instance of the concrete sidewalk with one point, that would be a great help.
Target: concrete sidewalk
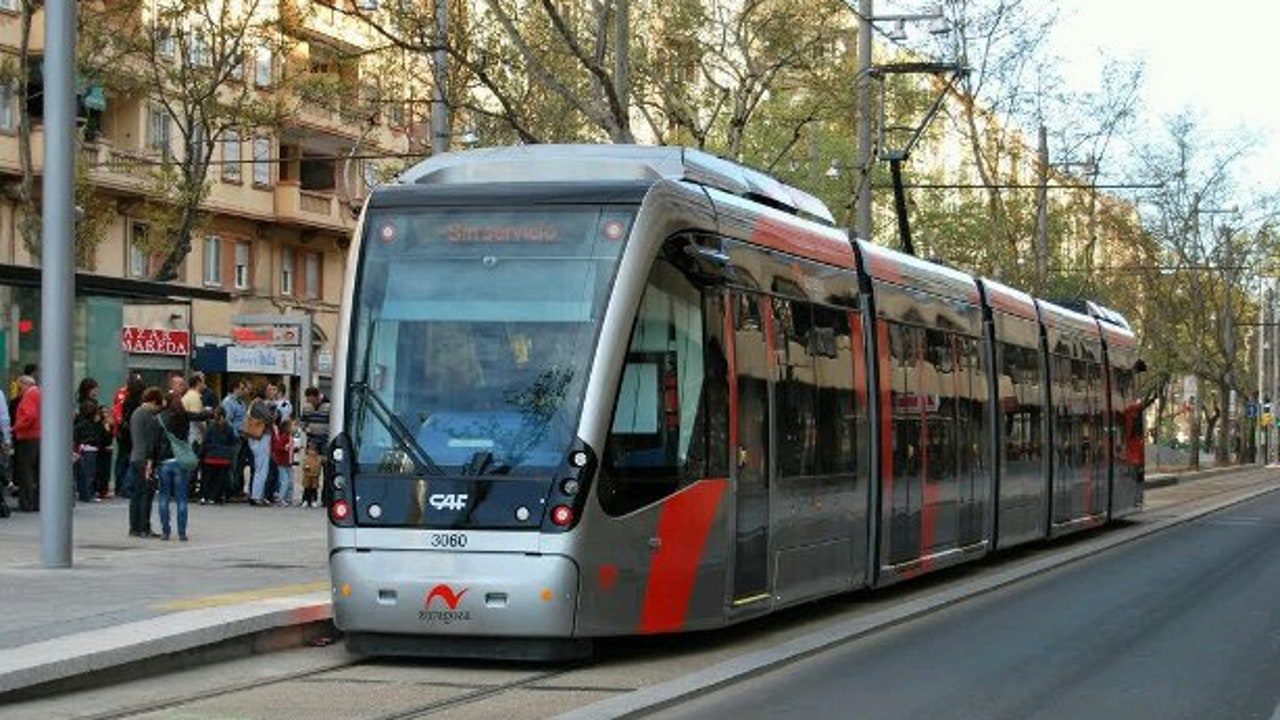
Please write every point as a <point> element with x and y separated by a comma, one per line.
<point>246,572</point>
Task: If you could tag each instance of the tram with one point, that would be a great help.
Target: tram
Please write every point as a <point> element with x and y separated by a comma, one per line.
<point>590,391</point>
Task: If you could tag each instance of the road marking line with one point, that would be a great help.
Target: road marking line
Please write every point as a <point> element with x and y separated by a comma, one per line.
<point>244,596</point>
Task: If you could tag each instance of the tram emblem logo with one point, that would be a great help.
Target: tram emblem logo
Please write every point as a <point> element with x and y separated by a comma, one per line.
<point>450,600</point>
<point>446,594</point>
<point>448,501</point>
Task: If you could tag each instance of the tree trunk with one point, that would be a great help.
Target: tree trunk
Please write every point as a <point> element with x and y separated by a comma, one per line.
<point>1222,452</point>
<point>29,224</point>
<point>1196,405</point>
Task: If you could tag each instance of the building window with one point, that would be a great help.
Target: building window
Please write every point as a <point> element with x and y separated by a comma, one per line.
<point>231,156</point>
<point>159,139</point>
<point>138,259</point>
<point>367,4</point>
<point>395,114</point>
<point>372,175</point>
<point>242,266</point>
<point>8,108</point>
<point>236,71</point>
<point>165,46</point>
<point>262,66</point>
<point>213,260</point>
<point>10,5</point>
<point>261,160</point>
<point>311,263</point>
<point>199,54</point>
<point>287,261</point>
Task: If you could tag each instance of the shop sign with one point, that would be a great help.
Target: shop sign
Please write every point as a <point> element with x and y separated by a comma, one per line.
<point>267,335</point>
<point>264,360</point>
<point>155,341</point>
<point>324,361</point>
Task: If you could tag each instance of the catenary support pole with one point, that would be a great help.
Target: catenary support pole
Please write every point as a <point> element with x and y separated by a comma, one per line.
<point>440,122</point>
<point>862,225</point>
<point>57,282</point>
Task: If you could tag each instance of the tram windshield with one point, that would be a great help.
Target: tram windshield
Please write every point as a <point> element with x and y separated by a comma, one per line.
<point>474,329</point>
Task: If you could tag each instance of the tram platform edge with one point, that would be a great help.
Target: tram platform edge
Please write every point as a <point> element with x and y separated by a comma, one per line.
<point>162,644</point>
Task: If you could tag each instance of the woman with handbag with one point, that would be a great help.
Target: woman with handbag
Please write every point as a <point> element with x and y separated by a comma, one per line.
<point>177,461</point>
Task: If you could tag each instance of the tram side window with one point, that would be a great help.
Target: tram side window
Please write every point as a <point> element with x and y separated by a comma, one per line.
<point>658,441</point>
<point>1020,402</point>
<point>797,423</point>
<point>837,412</point>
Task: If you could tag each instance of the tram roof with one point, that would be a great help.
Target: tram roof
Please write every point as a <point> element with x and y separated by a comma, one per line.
<point>612,163</point>
<point>886,265</point>
<point>1008,299</point>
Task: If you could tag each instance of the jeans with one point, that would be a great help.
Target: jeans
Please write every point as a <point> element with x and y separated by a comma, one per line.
<point>173,484</point>
<point>260,450</point>
<point>123,475</point>
<point>86,472</point>
<point>140,499</point>
<point>285,493</point>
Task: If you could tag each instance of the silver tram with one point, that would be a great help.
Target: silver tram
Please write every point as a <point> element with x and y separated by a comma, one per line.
<point>609,390</point>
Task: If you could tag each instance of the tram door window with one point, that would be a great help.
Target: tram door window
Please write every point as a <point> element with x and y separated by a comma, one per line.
<point>751,456</point>
<point>971,439</point>
<point>906,358</point>
<point>666,398</point>
<point>797,447</point>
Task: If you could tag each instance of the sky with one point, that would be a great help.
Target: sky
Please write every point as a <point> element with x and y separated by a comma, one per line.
<point>1214,58</point>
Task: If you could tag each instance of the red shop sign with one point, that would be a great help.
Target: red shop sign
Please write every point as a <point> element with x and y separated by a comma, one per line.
<point>155,341</point>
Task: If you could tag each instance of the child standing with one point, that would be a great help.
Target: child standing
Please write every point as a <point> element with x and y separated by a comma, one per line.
<point>220,444</point>
<point>282,457</point>
<point>311,475</point>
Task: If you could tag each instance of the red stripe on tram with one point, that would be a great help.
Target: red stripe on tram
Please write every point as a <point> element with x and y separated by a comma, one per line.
<point>886,433</point>
<point>928,492</point>
<point>684,523</point>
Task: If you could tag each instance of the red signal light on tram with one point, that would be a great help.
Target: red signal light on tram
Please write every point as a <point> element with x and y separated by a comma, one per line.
<point>340,510</point>
<point>25,326</point>
<point>561,515</point>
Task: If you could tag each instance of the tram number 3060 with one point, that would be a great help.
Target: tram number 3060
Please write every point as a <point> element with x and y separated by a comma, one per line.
<point>447,540</point>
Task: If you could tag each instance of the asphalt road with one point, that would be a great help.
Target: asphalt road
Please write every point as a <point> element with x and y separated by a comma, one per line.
<point>1184,624</point>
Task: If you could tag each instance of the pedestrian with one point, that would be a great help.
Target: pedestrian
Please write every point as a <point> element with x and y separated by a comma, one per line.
<point>6,466</point>
<point>177,460</point>
<point>26,433</point>
<point>236,407</point>
<point>217,456</point>
<point>88,390</point>
<point>193,403</point>
<point>105,433</point>
<point>282,458</point>
<point>311,467</point>
<point>280,402</point>
<point>129,402</point>
<point>85,433</point>
<point>144,432</point>
<point>16,389</point>
<point>314,415</point>
<point>257,431</point>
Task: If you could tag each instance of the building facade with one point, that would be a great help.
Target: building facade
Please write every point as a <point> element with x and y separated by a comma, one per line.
<point>278,216</point>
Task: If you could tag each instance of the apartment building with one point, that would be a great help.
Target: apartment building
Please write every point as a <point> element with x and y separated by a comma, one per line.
<point>258,294</point>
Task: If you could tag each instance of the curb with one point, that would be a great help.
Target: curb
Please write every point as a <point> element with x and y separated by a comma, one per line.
<point>1159,480</point>
<point>165,643</point>
<point>735,670</point>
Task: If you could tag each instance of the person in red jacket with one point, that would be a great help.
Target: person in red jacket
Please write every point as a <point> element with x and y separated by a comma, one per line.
<point>26,445</point>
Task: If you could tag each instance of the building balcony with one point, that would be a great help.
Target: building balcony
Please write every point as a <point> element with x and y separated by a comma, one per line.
<point>321,20</point>
<point>311,208</point>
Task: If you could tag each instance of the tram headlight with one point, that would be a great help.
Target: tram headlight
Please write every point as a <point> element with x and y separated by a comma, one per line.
<point>339,455</point>
<point>570,486</point>
<point>339,482</point>
<point>579,459</point>
<point>562,516</point>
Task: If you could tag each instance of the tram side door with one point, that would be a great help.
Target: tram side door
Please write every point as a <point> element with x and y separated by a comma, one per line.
<point>751,461</point>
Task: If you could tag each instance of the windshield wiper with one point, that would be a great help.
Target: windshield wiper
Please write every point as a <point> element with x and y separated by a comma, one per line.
<point>392,422</point>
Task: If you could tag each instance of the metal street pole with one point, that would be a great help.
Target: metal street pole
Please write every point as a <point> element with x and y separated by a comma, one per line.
<point>1042,212</point>
<point>57,282</point>
<point>440,125</point>
<point>1275,367</point>
<point>862,226</point>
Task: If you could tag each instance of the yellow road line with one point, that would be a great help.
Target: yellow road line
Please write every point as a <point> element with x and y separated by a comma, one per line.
<point>244,596</point>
